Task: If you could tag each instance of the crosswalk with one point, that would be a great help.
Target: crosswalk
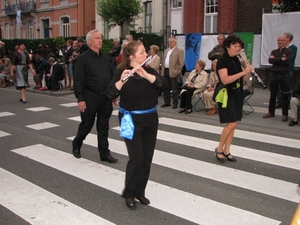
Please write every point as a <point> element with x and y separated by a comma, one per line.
<point>34,204</point>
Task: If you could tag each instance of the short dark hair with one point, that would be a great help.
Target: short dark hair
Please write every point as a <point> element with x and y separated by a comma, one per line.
<point>21,43</point>
<point>230,40</point>
<point>80,40</point>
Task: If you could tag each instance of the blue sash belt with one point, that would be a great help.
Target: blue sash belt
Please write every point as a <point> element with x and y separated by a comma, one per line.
<point>127,126</point>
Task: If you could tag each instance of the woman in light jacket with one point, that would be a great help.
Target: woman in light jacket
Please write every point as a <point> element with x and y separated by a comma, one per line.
<point>195,83</point>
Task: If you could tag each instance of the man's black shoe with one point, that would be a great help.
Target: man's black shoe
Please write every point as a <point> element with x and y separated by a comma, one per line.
<point>76,153</point>
<point>109,159</point>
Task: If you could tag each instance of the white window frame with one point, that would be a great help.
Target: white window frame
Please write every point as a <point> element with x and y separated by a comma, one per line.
<point>65,27</point>
<point>210,16</point>
<point>177,4</point>
<point>6,31</point>
<point>148,16</point>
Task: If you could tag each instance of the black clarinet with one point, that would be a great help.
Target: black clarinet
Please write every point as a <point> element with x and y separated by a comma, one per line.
<point>253,73</point>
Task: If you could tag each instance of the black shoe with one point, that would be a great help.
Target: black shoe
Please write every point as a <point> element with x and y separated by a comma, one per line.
<point>109,159</point>
<point>174,106</point>
<point>76,153</point>
<point>165,105</point>
<point>292,123</point>
<point>181,111</point>
<point>130,203</point>
<point>231,159</point>
<point>143,200</point>
<point>222,160</point>
<point>188,111</point>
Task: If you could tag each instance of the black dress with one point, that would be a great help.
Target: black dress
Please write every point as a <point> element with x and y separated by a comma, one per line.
<point>233,111</point>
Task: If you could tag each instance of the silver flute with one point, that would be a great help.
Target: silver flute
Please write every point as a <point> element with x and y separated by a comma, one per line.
<point>133,70</point>
<point>242,57</point>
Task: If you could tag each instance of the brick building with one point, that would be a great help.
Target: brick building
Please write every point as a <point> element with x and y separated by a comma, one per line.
<point>46,18</point>
<point>213,16</point>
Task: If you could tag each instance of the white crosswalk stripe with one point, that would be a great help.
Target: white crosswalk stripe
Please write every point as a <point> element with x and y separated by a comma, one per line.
<point>34,205</point>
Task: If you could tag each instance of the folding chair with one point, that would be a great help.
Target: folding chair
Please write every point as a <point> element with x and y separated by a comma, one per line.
<point>198,98</point>
<point>247,103</point>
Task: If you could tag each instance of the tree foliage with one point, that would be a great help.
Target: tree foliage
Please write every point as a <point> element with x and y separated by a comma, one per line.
<point>119,12</point>
<point>287,6</point>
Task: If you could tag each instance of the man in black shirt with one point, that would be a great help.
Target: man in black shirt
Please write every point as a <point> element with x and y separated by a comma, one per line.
<point>91,78</point>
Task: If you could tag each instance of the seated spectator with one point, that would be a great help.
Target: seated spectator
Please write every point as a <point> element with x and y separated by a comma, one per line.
<point>6,71</point>
<point>41,67</point>
<point>294,104</point>
<point>57,73</point>
<point>2,76</point>
<point>210,105</point>
<point>154,62</point>
<point>195,83</point>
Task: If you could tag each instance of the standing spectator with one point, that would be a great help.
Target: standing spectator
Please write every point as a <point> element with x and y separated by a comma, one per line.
<point>289,37</point>
<point>68,54</point>
<point>20,63</point>
<point>56,73</point>
<point>92,76</point>
<point>195,83</point>
<point>280,59</point>
<point>171,68</point>
<point>210,105</point>
<point>75,53</point>
<point>129,37</point>
<point>154,62</point>
<point>81,45</point>
<point>115,51</point>
<point>139,96</point>
<point>218,50</point>
<point>294,104</point>
<point>231,75</point>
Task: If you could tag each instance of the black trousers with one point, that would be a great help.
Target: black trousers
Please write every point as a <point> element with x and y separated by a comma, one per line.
<point>140,151</point>
<point>284,83</point>
<point>170,82</point>
<point>186,99</point>
<point>97,105</point>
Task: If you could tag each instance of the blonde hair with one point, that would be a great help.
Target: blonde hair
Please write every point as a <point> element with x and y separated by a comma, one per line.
<point>201,63</point>
<point>155,48</point>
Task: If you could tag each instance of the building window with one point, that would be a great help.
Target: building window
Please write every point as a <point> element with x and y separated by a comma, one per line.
<point>30,30</point>
<point>6,31</point>
<point>176,3</point>
<point>65,21</point>
<point>148,17</point>
<point>211,16</point>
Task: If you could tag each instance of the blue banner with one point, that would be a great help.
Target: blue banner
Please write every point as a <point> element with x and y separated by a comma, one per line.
<point>192,50</point>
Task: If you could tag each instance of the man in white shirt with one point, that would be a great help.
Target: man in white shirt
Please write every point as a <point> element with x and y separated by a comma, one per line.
<point>172,64</point>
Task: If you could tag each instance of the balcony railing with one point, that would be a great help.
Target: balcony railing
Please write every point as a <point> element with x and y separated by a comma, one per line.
<point>24,7</point>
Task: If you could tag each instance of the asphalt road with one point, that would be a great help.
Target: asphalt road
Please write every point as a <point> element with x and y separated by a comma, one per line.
<point>42,183</point>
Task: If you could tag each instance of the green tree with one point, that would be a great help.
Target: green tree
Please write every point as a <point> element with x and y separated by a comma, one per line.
<point>119,12</point>
<point>287,6</point>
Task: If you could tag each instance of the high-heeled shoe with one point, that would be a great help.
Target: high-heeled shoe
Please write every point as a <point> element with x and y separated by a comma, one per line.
<point>143,200</point>
<point>130,203</point>
<point>231,159</point>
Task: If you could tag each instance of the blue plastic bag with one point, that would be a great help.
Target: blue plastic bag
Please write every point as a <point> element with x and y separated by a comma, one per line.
<point>127,126</point>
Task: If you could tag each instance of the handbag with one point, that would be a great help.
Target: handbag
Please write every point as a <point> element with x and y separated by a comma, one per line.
<point>188,88</point>
<point>221,94</point>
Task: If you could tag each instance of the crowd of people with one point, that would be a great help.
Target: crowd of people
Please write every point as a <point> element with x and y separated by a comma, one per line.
<point>136,76</point>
